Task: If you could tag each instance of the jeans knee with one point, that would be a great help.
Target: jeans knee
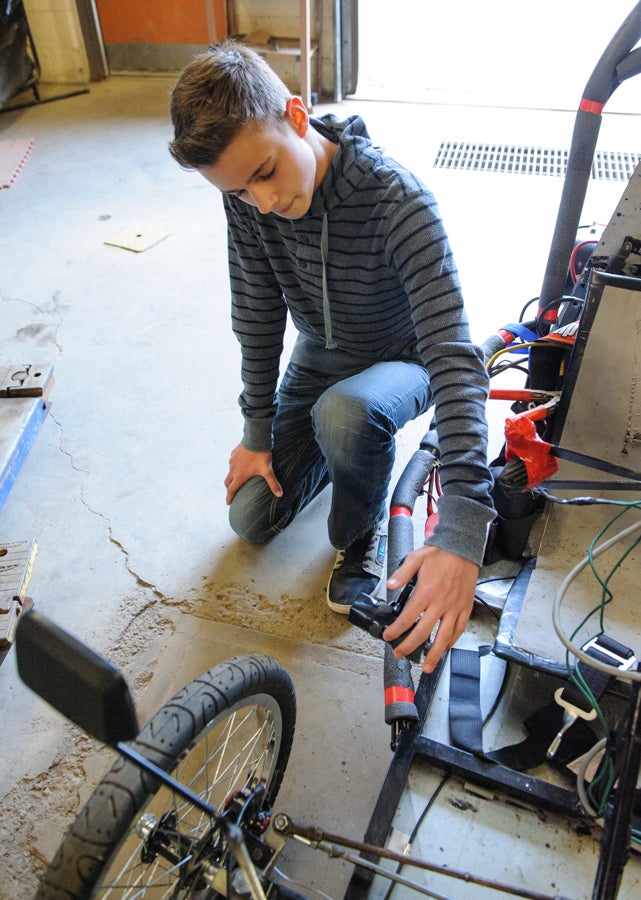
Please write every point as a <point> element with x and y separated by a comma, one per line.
<point>334,413</point>
<point>343,423</point>
<point>249,518</point>
<point>249,529</point>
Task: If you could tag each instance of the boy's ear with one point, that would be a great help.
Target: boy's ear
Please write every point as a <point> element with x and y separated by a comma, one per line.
<point>296,113</point>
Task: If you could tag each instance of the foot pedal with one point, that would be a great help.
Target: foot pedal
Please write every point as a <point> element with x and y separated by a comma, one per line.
<point>16,564</point>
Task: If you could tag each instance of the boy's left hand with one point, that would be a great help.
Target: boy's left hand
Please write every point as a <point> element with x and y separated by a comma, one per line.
<point>444,593</point>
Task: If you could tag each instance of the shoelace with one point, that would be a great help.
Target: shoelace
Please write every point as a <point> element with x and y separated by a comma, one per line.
<point>369,556</point>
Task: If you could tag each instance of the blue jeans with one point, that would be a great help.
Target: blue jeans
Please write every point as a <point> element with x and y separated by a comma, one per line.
<point>338,429</point>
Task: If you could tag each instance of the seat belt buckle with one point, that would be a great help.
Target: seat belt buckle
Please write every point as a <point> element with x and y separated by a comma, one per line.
<point>608,651</point>
<point>616,655</point>
<point>571,713</point>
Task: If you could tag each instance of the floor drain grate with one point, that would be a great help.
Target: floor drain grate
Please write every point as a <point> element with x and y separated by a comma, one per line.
<point>510,159</point>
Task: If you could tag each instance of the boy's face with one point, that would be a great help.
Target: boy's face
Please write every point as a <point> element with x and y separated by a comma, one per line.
<point>273,167</point>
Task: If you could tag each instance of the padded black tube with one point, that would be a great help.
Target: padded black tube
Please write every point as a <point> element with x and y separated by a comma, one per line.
<point>414,475</point>
<point>397,673</point>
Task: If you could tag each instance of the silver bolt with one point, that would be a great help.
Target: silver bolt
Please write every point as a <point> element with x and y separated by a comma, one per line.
<point>280,822</point>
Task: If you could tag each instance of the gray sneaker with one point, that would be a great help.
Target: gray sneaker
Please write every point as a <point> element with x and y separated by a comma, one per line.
<point>358,568</point>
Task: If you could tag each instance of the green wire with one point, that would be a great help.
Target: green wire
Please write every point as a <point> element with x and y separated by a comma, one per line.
<point>627,505</point>
<point>605,776</point>
<point>605,590</point>
<point>605,771</point>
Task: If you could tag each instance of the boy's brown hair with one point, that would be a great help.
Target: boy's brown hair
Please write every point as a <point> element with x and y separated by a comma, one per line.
<point>229,88</point>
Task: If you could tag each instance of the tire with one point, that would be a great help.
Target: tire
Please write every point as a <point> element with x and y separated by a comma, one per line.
<point>239,719</point>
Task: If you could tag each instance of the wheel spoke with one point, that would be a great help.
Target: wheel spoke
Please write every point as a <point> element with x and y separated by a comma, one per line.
<point>245,765</point>
<point>128,843</point>
<point>225,760</point>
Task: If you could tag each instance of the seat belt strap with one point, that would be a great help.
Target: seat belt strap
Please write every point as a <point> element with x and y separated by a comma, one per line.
<point>602,649</point>
<point>466,726</point>
<point>562,724</point>
<point>544,725</point>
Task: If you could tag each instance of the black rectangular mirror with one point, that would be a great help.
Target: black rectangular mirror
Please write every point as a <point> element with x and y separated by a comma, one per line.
<point>75,680</point>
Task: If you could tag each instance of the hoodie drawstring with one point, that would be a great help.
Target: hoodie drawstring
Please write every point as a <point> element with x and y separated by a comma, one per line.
<point>329,343</point>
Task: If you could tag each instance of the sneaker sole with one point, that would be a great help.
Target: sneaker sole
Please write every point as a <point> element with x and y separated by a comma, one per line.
<point>344,608</point>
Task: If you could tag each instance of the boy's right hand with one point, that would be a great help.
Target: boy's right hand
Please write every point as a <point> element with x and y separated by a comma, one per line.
<point>244,464</point>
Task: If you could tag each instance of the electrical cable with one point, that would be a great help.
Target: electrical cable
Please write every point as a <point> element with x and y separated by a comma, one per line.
<point>578,501</point>
<point>579,681</point>
<point>487,606</point>
<point>552,304</point>
<point>526,307</point>
<point>605,777</point>
<point>417,825</point>
<point>299,884</point>
<point>606,594</point>
<point>605,773</point>
<point>510,348</point>
<point>581,773</point>
<point>483,581</point>
<point>504,367</point>
<point>572,265</point>
<point>549,340</point>
<point>563,589</point>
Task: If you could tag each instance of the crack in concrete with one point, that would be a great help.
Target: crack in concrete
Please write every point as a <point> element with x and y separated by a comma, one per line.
<point>140,582</point>
<point>52,309</point>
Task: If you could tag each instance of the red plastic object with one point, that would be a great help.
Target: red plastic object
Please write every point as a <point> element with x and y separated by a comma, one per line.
<point>523,442</point>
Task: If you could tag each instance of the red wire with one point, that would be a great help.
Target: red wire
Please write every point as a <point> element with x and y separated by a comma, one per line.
<point>577,247</point>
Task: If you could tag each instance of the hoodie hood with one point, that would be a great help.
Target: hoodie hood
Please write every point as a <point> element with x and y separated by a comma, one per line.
<point>346,170</point>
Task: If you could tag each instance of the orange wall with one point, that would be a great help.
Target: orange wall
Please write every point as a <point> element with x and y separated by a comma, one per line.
<point>158,21</point>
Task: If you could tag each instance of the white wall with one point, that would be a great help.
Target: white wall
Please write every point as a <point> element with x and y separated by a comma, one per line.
<point>58,38</point>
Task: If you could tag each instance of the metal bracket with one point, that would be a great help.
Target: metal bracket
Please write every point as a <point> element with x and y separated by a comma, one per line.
<point>23,381</point>
<point>16,563</point>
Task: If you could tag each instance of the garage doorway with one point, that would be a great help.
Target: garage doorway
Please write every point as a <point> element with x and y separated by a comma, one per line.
<point>494,53</point>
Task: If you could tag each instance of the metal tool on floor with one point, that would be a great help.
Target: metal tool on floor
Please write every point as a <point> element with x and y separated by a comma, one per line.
<point>24,389</point>
<point>16,562</point>
<point>28,380</point>
<point>24,404</point>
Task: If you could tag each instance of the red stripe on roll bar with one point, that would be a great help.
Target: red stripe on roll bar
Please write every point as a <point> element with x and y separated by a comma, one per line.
<point>398,695</point>
<point>591,106</point>
<point>400,511</point>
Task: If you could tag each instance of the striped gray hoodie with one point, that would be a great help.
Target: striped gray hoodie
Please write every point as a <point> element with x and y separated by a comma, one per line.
<point>367,272</point>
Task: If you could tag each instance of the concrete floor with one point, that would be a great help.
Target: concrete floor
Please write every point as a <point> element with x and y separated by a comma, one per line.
<point>122,489</point>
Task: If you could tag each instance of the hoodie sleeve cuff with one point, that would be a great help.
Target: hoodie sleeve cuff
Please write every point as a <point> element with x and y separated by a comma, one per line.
<point>257,435</point>
<point>462,527</point>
